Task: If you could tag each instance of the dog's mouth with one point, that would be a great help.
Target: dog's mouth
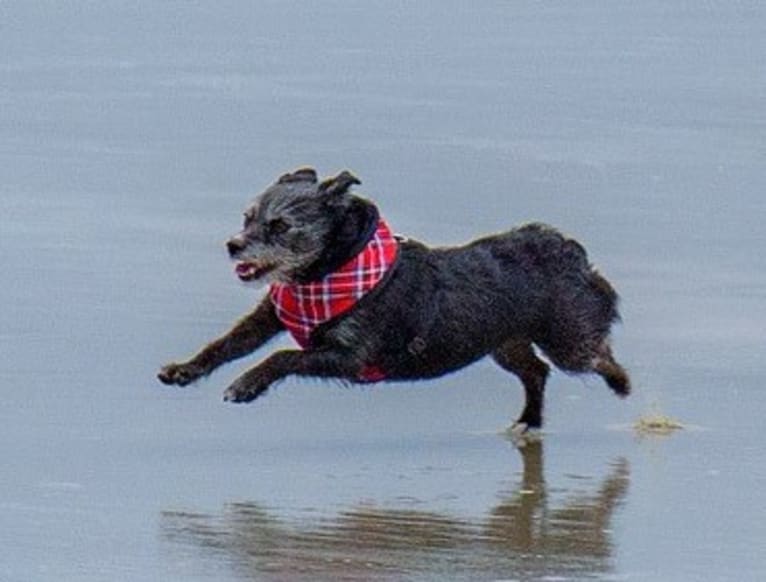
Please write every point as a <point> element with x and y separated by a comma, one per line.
<point>253,270</point>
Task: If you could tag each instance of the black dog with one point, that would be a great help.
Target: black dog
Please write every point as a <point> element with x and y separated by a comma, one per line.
<point>367,307</point>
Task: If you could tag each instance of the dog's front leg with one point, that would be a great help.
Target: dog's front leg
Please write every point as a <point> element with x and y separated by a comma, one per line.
<point>320,363</point>
<point>247,335</point>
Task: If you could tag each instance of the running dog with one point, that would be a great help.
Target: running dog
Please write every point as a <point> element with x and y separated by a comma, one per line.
<point>367,306</point>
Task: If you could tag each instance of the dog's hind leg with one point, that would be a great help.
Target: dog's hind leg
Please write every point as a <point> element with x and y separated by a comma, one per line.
<point>613,373</point>
<point>517,356</point>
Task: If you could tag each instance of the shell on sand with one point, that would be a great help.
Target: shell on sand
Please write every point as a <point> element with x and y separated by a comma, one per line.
<point>656,423</point>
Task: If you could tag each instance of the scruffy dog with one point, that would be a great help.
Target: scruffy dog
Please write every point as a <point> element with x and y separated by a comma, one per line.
<point>366,306</point>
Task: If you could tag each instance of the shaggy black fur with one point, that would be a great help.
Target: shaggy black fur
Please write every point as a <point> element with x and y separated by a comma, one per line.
<point>437,311</point>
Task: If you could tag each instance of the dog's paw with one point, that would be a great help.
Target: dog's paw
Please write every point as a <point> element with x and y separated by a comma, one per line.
<point>518,429</point>
<point>242,394</point>
<point>180,374</point>
<point>521,428</point>
<point>521,434</point>
<point>245,389</point>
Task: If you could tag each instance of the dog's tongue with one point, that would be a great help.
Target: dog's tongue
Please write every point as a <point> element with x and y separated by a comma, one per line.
<point>243,268</point>
<point>246,271</point>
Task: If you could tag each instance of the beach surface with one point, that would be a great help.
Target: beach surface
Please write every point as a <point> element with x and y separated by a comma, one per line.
<point>132,136</point>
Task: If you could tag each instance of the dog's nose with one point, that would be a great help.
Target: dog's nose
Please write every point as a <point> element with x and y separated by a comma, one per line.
<point>235,245</point>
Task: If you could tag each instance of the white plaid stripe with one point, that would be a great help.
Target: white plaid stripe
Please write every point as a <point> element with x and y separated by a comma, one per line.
<point>326,298</point>
<point>360,272</point>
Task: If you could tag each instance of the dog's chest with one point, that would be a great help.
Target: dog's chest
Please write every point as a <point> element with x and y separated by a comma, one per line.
<point>304,307</point>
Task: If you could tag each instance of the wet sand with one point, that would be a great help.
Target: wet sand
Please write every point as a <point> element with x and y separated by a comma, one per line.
<point>131,137</point>
<point>529,532</point>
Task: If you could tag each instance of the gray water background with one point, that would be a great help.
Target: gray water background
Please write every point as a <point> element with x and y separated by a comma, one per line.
<point>132,135</point>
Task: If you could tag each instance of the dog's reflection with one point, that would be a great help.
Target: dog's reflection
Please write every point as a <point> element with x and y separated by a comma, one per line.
<point>529,534</point>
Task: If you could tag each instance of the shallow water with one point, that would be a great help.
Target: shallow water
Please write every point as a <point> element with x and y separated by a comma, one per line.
<point>131,137</point>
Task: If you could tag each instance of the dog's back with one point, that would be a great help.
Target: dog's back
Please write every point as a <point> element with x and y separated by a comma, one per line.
<point>444,308</point>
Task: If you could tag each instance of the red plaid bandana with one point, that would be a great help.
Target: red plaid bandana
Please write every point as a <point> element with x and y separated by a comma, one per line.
<point>304,307</point>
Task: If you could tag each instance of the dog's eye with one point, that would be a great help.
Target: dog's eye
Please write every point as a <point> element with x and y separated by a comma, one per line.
<point>278,226</point>
<point>249,217</point>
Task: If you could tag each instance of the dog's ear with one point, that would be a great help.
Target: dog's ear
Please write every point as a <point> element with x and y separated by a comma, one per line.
<point>299,175</point>
<point>339,184</point>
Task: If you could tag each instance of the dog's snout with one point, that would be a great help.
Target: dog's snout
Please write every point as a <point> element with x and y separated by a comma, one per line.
<point>235,245</point>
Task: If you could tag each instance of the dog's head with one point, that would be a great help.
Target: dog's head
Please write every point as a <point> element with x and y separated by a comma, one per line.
<point>288,226</point>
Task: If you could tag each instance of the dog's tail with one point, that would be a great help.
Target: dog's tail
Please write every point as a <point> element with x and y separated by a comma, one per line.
<point>609,297</point>
<point>546,246</point>
<point>564,261</point>
<point>568,258</point>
